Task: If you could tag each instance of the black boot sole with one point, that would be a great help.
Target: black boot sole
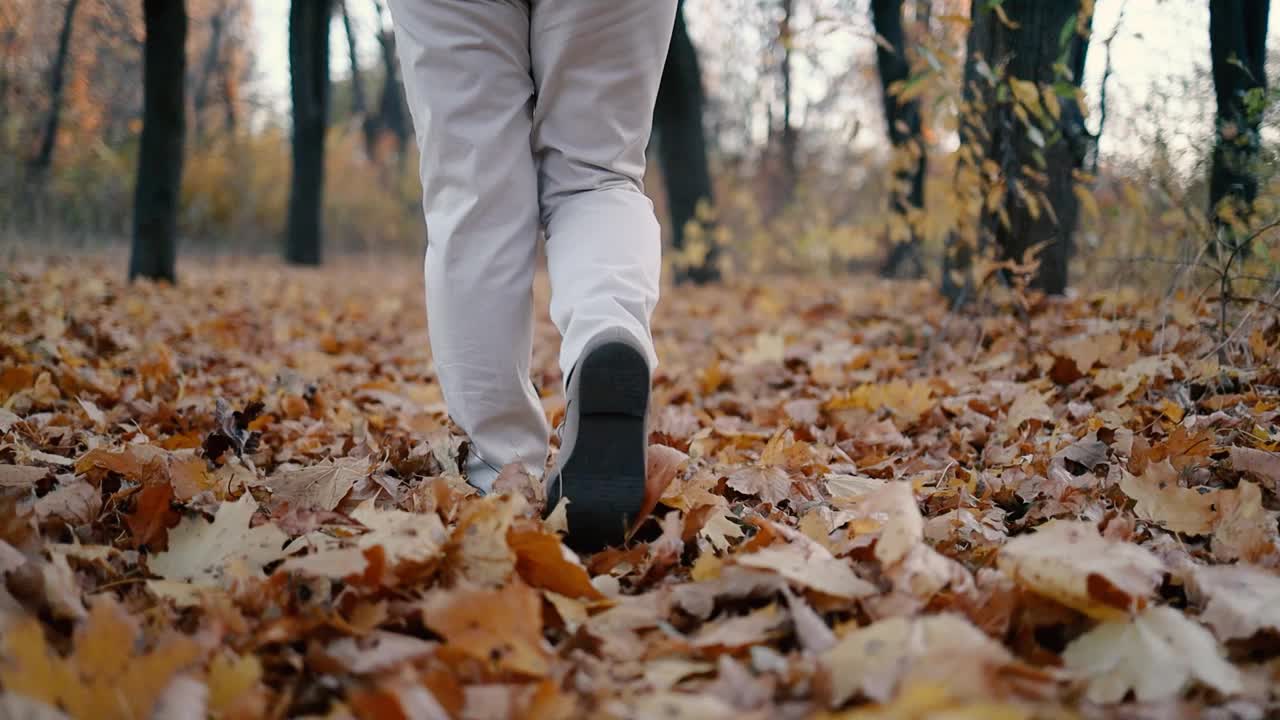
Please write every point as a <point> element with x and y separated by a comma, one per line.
<point>604,474</point>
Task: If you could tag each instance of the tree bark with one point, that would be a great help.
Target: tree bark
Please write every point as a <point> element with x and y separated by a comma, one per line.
<point>682,148</point>
<point>156,196</point>
<point>358,106</point>
<point>790,142</point>
<point>309,71</point>
<point>1037,153</point>
<point>200,99</point>
<point>1238,48</point>
<point>43,160</point>
<point>906,195</point>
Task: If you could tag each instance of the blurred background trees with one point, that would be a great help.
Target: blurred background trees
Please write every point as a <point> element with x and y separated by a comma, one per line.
<point>953,139</point>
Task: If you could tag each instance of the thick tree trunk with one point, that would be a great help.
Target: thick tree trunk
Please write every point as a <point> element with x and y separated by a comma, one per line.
<point>1237,43</point>
<point>906,196</point>
<point>155,204</point>
<point>43,160</point>
<point>682,148</point>
<point>309,71</point>
<point>1037,151</point>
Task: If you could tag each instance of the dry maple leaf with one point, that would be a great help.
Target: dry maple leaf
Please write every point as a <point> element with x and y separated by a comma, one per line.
<point>201,552</point>
<point>1162,500</point>
<point>501,628</point>
<point>1072,563</point>
<point>735,633</point>
<point>809,565</point>
<point>231,431</point>
<point>318,487</point>
<point>720,529</point>
<point>1261,463</point>
<point>770,483</point>
<point>1239,600</point>
<point>478,547</point>
<point>104,677</point>
<point>874,661</point>
<point>894,507</point>
<point>152,516</point>
<point>544,562</point>
<point>21,476</point>
<point>1245,529</point>
<point>1155,654</point>
<point>409,542</point>
<point>1029,405</point>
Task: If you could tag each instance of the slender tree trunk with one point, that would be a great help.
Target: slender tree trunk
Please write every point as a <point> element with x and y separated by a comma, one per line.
<point>200,98</point>
<point>967,239</point>
<point>309,71</point>
<point>155,205</point>
<point>43,160</point>
<point>906,196</point>
<point>358,106</point>
<point>789,139</point>
<point>682,148</point>
<point>1238,47</point>
<point>392,111</point>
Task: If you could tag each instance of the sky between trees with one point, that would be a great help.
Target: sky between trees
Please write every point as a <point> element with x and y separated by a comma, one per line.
<point>1162,49</point>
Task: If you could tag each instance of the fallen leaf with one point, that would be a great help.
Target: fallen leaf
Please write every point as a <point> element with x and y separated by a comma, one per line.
<point>1162,500</point>
<point>874,661</point>
<point>317,487</point>
<point>21,476</point>
<point>1239,600</point>
<point>1155,654</point>
<point>811,566</point>
<point>544,562</point>
<point>1265,465</point>
<point>501,628</point>
<point>1072,563</point>
<point>770,483</point>
<point>201,552</point>
<point>105,676</point>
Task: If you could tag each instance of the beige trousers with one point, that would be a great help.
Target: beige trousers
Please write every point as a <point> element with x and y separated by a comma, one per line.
<point>530,114</point>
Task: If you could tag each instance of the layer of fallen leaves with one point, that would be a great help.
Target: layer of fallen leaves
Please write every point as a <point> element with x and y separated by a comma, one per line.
<point>241,498</point>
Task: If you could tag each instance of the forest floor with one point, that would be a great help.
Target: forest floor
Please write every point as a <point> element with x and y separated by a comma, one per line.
<point>240,498</point>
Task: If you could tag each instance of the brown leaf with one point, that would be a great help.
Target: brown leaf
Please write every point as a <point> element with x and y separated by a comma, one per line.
<point>771,484</point>
<point>21,476</point>
<point>1073,564</point>
<point>501,628</point>
<point>318,487</point>
<point>152,517</point>
<point>544,562</point>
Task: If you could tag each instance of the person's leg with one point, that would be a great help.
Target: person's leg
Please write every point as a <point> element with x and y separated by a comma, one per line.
<point>596,66</point>
<point>467,78</point>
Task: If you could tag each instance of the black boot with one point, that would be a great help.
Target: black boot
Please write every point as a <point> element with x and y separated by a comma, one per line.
<point>601,465</point>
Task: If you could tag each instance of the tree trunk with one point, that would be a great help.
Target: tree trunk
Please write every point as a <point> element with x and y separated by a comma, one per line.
<point>790,173</point>
<point>1237,45</point>
<point>200,99</point>
<point>1037,153</point>
<point>358,106</point>
<point>682,148</point>
<point>43,160</point>
<point>967,239</point>
<point>906,196</point>
<point>309,71</point>
<point>392,116</point>
<point>155,204</point>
